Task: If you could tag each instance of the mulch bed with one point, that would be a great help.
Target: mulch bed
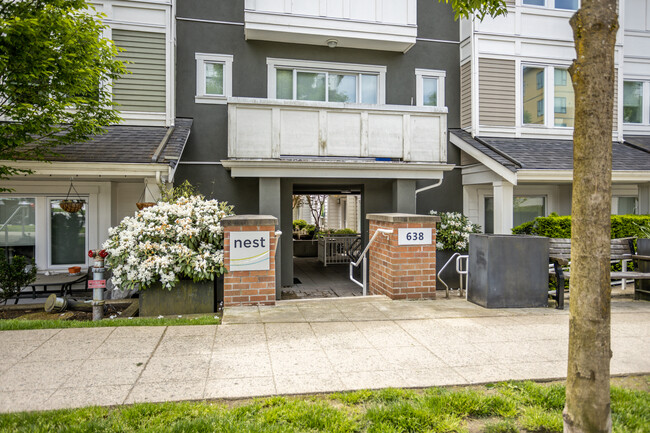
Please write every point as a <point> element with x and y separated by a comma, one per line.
<point>37,313</point>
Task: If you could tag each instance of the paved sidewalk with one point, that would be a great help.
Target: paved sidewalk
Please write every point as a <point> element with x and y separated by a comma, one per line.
<point>303,347</point>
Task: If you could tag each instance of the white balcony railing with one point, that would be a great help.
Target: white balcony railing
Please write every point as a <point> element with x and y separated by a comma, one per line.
<point>270,128</point>
<point>368,24</point>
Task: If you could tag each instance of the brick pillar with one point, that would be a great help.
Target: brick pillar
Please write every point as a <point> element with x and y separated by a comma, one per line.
<point>249,287</point>
<point>402,271</point>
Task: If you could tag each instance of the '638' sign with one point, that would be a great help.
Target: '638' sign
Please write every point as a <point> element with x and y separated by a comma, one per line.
<point>414,236</point>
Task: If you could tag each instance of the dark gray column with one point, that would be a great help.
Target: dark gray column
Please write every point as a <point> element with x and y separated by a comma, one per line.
<point>404,196</point>
<point>270,204</point>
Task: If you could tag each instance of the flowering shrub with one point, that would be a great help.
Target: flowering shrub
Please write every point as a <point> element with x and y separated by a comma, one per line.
<point>167,242</point>
<point>452,232</point>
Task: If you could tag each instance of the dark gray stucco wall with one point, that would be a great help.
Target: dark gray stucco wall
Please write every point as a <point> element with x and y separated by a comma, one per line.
<point>208,142</point>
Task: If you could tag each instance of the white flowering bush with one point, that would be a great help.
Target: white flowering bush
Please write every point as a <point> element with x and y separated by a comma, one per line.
<point>452,232</point>
<point>167,242</point>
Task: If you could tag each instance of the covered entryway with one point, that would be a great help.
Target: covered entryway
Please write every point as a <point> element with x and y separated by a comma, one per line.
<point>326,223</point>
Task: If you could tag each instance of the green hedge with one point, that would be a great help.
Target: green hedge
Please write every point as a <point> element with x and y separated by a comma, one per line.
<point>555,226</point>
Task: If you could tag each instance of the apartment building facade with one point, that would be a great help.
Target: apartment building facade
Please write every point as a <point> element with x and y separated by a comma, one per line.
<point>110,172</point>
<point>319,97</point>
<point>517,113</point>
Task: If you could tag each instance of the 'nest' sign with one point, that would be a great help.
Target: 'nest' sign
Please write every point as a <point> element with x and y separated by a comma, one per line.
<point>249,251</point>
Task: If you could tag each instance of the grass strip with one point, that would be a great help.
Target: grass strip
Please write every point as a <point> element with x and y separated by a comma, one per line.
<point>501,408</point>
<point>20,324</point>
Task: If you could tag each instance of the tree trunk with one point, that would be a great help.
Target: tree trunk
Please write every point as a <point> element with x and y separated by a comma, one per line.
<point>587,406</point>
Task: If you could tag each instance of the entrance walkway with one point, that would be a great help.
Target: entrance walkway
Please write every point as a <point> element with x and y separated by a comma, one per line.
<point>313,280</point>
<point>303,347</point>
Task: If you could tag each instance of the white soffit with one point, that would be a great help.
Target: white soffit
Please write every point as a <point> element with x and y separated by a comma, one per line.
<point>97,170</point>
<point>318,30</point>
<point>619,176</point>
<point>352,169</point>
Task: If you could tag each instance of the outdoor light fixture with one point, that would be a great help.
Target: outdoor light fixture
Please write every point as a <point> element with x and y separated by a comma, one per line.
<point>332,43</point>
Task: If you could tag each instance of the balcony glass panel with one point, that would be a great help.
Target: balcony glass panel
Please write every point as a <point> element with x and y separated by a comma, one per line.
<point>342,88</point>
<point>430,89</point>
<point>369,89</point>
<point>284,84</point>
<point>533,96</point>
<point>18,226</point>
<point>310,86</point>
<point>68,235</point>
<point>566,4</point>
<point>564,99</point>
<point>214,78</point>
<point>633,101</point>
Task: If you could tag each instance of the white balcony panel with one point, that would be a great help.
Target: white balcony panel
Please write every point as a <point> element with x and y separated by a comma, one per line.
<point>252,128</point>
<point>386,136</point>
<point>267,128</point>
<point>368,24</point>
<point>636,44</point>
<point>343,134</point>
<point>423,128</point>
<point>298,141</point>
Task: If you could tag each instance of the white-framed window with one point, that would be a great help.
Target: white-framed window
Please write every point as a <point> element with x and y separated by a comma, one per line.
<point>636,102</point>
<point>524,208</point>
<point>570,5</point>
<point>213,78</point>
<point>547,97</point>
<point>31,222</point>
<point>430,87</point>
<point>625,205</point>
<point>306,80</point>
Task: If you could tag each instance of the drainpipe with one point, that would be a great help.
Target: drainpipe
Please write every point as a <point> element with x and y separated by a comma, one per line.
<point>426,188</point>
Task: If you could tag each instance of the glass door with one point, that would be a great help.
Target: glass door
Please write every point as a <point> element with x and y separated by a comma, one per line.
<point>67,235</point>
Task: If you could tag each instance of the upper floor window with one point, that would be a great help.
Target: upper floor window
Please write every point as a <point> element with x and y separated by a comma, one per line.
<point>213,78</point>
<point>430,87</point>
<point>554,4</point>
<point>305,80</point>
<point>544,85</point>
<point>635,110</point>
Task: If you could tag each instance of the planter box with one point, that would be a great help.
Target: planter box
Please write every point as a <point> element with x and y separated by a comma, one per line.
<point>187,297</point>
<point>642,287</point>
<point>508,271</point>
<point>305,248</point>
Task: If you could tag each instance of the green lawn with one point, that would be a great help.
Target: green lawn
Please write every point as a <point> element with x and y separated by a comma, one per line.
<point>17,324</point>
<point>500,408</point>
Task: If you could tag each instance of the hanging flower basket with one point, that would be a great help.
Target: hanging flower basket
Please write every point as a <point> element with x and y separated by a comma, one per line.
<point>142,205</point>
<point>71,206</point>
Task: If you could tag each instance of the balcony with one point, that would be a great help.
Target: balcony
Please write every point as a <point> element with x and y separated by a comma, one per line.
<point>367,24</point>
<point>323,139</point>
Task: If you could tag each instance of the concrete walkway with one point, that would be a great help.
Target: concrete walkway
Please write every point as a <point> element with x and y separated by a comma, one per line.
<point>303,347</point>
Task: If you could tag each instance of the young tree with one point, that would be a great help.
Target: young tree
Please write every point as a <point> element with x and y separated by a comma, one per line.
<point>55,67</point>
<point>587,406</point>
<point>594,27</point>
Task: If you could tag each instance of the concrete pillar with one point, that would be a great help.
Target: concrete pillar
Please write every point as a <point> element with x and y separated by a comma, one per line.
<point>404,196</point>
<point>644,199</point>
<point>270,204</point>
<point>248,282</point>
<point>502,207</point>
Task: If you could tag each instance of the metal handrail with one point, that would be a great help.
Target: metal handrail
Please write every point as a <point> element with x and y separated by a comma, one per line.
<point>363,257</point>
<point>462,272</point>
<point>453,256</point>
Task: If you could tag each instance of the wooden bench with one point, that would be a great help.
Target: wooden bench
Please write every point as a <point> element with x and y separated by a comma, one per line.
<point>622,250</point>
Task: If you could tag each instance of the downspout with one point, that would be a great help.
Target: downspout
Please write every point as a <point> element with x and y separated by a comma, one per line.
<point>426,188</point>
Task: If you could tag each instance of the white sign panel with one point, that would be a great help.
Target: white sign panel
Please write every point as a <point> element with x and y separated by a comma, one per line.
<point>249,251</point>
<point>414,236</point>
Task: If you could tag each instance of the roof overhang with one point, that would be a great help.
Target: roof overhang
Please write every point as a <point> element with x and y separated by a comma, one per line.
<point>493,165</point>
<point>91,170</point>
<point>353,169</point>
<point>618,176</point>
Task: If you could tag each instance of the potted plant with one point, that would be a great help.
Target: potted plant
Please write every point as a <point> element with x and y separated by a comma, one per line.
<point>452,236</point>
<point>14,274</point>
<point>172,252</point>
